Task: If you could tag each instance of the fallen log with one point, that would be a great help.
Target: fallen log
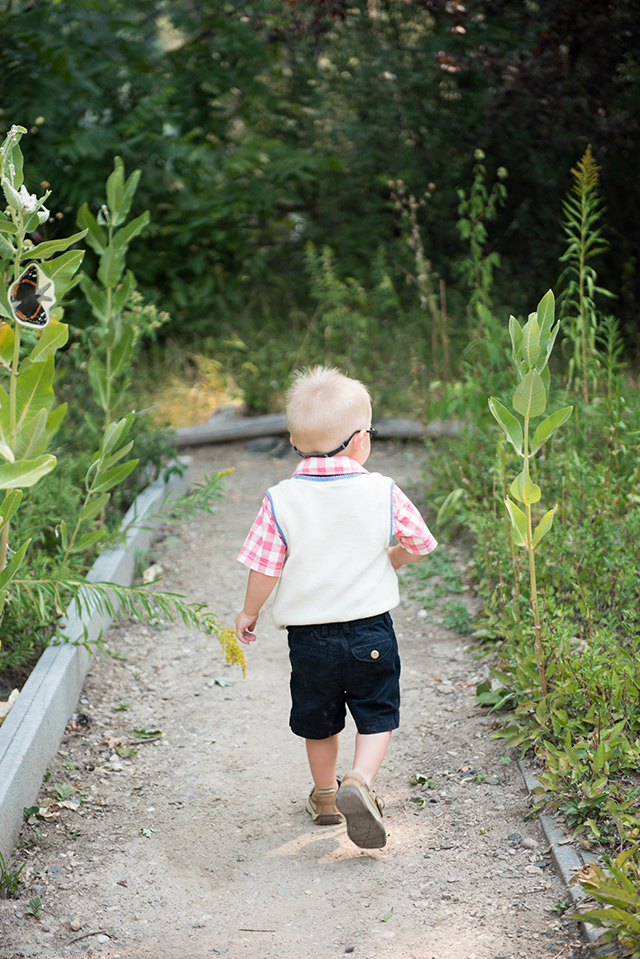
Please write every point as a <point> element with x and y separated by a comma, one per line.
<point>224,429</point>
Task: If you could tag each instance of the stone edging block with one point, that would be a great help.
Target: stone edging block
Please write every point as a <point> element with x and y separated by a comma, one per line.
<point>568,861</point>
<point>33,729</point>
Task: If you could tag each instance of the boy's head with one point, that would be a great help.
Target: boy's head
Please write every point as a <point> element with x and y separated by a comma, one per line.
<point>324,408</point>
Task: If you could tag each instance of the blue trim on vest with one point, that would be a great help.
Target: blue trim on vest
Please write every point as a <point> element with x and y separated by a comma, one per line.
<point>327,479</point>
<point>275,520</point>
<point>391,509</point>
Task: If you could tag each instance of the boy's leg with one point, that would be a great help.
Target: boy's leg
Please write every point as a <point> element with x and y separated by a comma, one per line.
<point>373,698</point>
<point>323,758</point>
<point>360,807</point>
<point>370,751</point>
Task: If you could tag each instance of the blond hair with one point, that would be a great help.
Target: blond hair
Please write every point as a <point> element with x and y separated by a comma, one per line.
<point>324,407</point>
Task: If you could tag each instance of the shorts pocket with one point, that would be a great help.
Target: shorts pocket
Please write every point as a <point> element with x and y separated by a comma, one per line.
<point>375,651</point>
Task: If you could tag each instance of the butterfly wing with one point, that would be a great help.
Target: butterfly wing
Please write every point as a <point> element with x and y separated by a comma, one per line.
<point>30,299</point>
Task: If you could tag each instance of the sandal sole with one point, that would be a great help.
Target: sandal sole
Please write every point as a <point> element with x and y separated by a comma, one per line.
<point>364,827</point>
<point>327,820</point>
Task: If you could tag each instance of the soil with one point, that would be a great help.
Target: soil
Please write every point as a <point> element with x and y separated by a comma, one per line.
<point>200,844</point>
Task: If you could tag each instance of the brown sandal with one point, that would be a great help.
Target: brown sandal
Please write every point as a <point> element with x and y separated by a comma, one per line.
<point>362,811</point>
<point>322,808</point>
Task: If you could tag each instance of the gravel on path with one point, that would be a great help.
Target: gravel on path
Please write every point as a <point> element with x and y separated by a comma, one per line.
<point>196,843</point>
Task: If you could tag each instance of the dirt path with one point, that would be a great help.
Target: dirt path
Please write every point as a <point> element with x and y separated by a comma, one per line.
<point>200,844</point>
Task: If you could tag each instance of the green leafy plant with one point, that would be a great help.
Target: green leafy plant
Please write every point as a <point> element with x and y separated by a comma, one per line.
<point>617,888</point>
<point>112,338</point>
<point>109,344</point>
<point>420,779</point>
<point>145,732</point>
<point>531,349</point>
<point>474,212</point>
<point>27,298</point>
<point>342,307</point>
<point>63,791</point>
<point>611,351</point>
<point>576,777</point>
<point>456,616</point>
<point>35,907</point>
<point>9,878</point>
<point>578,281</point>
<point>103,474</point>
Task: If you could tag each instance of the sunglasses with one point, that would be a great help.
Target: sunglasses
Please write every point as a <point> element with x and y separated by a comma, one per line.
<point>371,431</point>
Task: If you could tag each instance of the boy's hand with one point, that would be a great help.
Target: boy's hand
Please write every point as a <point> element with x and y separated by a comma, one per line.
<point>401,557</point>
<point>259,588</point>
<point>245,626</point>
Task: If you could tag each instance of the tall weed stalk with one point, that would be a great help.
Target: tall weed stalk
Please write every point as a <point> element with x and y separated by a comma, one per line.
<point>578,281</point>
<point>113,336</point>
<point>424,278</point>
<point>477,268</point>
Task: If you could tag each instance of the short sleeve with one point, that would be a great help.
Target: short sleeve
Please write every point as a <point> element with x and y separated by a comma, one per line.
<point>264,550</point>
<point>409,528</point>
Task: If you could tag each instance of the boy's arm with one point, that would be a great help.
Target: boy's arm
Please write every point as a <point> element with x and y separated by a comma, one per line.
<point>415,539</point>
<point>265,548</point>
<point>259,588</point>
<point>400,556</point>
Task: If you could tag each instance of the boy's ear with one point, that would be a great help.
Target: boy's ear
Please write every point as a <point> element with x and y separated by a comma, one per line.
<point>358,441</point>
<point>291,439</point>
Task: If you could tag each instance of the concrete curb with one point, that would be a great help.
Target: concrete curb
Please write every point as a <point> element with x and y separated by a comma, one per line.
<point>33,729</point>
<point>567,860</point>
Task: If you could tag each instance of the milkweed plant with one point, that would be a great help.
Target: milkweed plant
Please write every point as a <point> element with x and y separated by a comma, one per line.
<point>34,278</point>
<point>531,345</point>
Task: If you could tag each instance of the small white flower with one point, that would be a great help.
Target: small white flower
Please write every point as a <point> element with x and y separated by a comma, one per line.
<point>103,217</point>
<point>12,196</point>
<point>29,200</point>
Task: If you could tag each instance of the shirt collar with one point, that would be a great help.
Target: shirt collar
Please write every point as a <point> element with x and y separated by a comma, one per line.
<point>336,466</point>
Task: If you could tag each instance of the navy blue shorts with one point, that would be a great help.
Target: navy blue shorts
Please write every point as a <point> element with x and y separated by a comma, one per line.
<point>339,665</point>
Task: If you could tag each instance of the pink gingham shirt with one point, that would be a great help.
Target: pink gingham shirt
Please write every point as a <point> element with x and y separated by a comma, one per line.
<point>265,552</point>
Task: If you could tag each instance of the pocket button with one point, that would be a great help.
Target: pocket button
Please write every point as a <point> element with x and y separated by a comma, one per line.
<point>375,654</point>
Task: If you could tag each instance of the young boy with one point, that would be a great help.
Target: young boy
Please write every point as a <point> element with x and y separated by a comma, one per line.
<point>323,537</point>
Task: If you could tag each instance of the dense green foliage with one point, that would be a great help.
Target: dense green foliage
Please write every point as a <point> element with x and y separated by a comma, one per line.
<point>260,124</point>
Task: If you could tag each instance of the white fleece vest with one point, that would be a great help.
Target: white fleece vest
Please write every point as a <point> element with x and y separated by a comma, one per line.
<point>337,530</point>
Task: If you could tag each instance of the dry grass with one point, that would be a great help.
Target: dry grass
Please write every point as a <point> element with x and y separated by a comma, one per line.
<point>183,389</point>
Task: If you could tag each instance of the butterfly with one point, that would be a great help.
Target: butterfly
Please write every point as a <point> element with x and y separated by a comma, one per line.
<point>31,297</point>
